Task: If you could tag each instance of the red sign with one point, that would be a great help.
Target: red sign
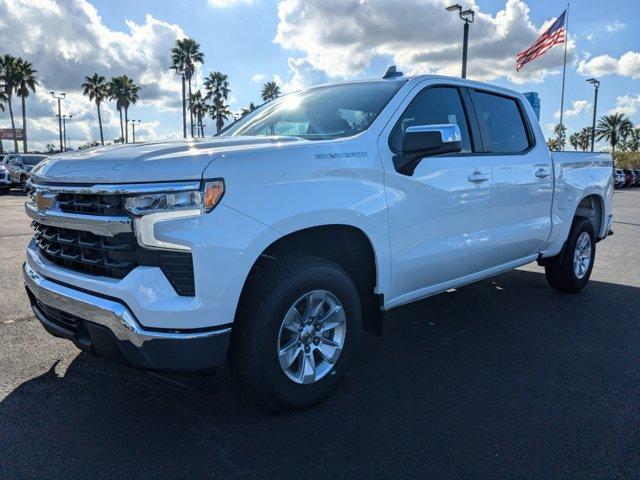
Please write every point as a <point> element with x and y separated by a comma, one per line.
<point>7,134</point>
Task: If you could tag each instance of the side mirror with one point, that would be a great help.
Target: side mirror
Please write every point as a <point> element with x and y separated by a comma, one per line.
<point>424,141</point>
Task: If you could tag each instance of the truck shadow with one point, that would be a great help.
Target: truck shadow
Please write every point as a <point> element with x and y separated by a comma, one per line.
<point>503,378</point>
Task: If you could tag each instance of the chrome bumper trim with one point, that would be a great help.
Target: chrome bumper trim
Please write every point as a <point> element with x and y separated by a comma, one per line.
<point>98,225</point>
<point>108,313</point>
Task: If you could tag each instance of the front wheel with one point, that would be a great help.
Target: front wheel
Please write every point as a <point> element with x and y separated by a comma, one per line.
<point>570,271</point>
<point>297,329</point>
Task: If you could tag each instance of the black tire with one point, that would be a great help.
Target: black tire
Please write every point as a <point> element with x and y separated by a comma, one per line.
<point>253,355</point>
<point>4,191</point>
<point>23,184</point>
<point>560,271</point>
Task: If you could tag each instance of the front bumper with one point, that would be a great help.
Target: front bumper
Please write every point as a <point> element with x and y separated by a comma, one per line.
<point>107,328</point>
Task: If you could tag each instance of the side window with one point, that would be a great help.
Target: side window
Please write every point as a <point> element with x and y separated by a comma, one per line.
<point>433,106</point>
<point>503,121</point>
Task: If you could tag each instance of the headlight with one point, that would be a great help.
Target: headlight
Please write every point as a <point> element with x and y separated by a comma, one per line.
<point>196,201</point>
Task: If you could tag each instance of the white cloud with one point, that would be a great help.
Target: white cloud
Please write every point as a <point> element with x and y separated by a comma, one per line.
<point>67,41</point>
<point>614,26</point>
<point>342,37</point>
<point>258,77</point>
<point>228,3</point>
<point>577,108</point>
<point>628,104</point>
<point>627,65</point>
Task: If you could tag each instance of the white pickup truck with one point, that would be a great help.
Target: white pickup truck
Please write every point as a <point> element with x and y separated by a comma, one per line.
<point>273,245</point>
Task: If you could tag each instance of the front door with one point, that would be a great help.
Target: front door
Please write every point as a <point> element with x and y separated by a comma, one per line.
<point>439,217</point>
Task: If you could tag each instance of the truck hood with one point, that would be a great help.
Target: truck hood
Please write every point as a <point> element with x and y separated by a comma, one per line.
<point>147,162</point>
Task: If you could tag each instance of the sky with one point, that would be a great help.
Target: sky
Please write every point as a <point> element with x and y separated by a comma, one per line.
<point>299,43</point>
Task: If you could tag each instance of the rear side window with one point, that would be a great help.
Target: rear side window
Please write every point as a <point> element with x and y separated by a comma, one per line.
<point>503,121</point>
<point>433,106</point>
<point>33,160</point>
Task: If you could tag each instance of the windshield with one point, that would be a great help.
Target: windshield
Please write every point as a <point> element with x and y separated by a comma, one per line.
<point>320,113</point>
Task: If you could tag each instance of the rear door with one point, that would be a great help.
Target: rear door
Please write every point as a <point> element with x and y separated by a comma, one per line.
<point>440,216</point>
<point>522,176</point>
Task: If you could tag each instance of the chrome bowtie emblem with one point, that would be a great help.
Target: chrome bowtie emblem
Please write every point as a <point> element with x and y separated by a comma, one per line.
<point>44,201</point>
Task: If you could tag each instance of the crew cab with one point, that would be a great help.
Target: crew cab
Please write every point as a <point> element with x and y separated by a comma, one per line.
<point>273,245</point>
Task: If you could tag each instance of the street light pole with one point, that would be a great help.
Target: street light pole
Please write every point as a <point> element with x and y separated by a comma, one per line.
<point>468,16</point>
<point>596,86</point>
<point>133,126</point>
<point>59,96</point>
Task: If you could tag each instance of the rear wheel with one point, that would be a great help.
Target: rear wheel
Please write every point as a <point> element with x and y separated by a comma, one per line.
<point>570,271</point>
<point>296,331</point>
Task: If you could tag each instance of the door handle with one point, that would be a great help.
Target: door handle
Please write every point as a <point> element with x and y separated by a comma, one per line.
<point>478,177</point>
<point>542,173</point>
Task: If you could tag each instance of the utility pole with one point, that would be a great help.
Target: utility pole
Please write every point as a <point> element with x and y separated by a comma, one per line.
<point>596,86</point>
<point>468,16</point>
<point>59,96</point>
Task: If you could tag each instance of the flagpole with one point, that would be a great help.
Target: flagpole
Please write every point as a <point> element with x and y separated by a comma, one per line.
<point>564,70</point>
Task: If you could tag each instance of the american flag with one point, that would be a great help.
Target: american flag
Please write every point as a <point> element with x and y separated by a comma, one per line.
<point>554,35</point>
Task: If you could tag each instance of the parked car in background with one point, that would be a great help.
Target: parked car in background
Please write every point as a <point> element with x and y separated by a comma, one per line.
<point>5,180</point>
<point>636,172</point>
<point>618,178</point>
<point>20,166</point>
<point>629,177</point>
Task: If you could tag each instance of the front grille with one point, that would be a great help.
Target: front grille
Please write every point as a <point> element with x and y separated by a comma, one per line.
<point>112,257</point>
<point>91,204</point>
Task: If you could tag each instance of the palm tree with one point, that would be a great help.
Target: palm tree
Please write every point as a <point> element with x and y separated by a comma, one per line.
<point>219,112</point>
<point>199,108</point>
<point>3,100</point>
<point>248,110</point>
<point>270,91</point>
<point>8,76</point>
<point>184,57</point>
<point>25,81</point>
<point>584,138</point>
<point>610,128</point>
<point>115,90</point>
<point>574,139</point>
<point>634,141</point>
<point>97,89</point>
<point>130,97</point>
<point>217,86</point>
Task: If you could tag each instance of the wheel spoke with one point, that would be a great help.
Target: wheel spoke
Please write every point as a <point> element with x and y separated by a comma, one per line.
<point>315,302</point>
<point>289,354</point>
<point>329,351</point>
<point>308,368</point>
<point>292,320</point>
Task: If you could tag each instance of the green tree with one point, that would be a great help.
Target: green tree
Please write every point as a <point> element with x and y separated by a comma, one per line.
<point>216,85</point>
<point>3,100</point>
<point>633,143</point>
<point>270,91</point>
<point>9,77</point>
<point>558,142</point>
<point>184,57</point>
<point>574,140</point>
<point>97,89</point>
<point>584,139</point>
<point>199,108</point>
<point>25,81</point>
<point>611,128</point>
<point>125,93</point>
<point>248,110</point>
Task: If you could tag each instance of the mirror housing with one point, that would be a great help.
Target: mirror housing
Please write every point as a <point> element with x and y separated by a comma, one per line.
<point>424,141</point>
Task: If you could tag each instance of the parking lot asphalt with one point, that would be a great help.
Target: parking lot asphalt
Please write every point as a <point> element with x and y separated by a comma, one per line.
<point>504,378</point>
